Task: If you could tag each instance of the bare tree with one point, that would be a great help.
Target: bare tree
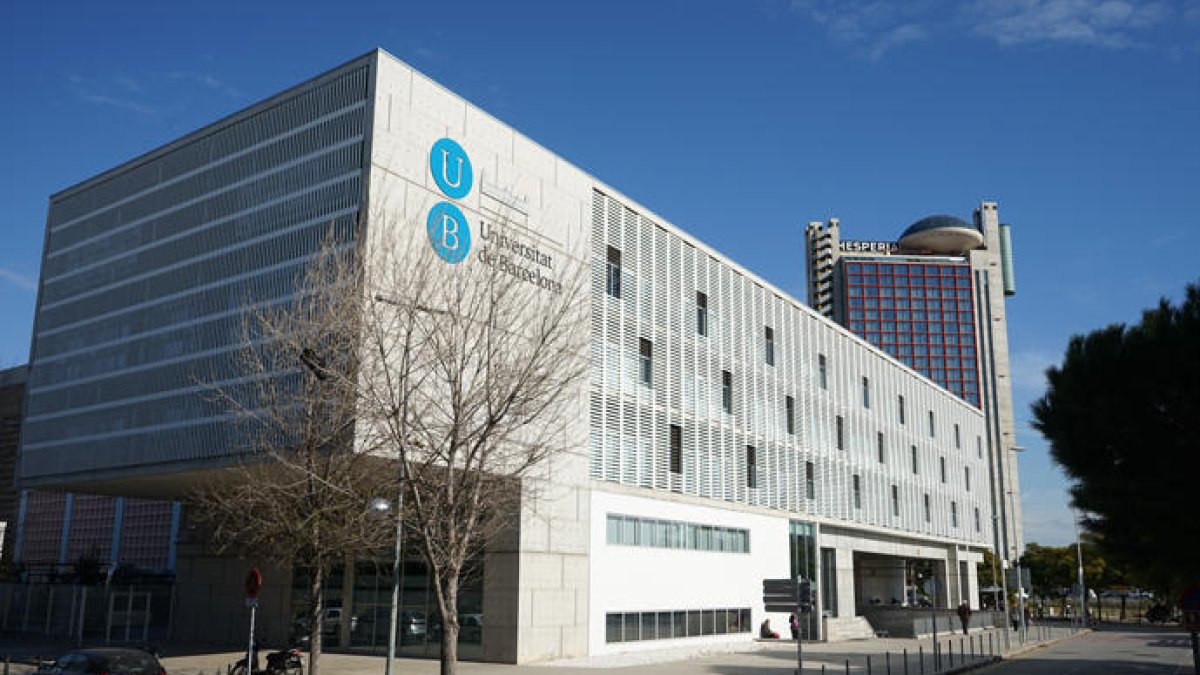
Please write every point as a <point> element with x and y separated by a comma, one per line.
<point>473,377</point>
<point>300,493</point>
<point>464,379</point>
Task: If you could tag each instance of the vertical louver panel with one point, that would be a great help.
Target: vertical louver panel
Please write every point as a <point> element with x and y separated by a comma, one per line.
<point>661,273</point>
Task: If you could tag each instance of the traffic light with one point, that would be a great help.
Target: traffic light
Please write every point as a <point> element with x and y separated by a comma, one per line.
<point>806,595</point>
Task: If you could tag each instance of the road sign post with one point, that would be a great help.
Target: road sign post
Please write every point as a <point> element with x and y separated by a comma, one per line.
<point>1189,602</point>
<point>253,585</point>
<point>790,595</point>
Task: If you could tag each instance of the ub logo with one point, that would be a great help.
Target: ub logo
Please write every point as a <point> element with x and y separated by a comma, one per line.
<point>447,226</point>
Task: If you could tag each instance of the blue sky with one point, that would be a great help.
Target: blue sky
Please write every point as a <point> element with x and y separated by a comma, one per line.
<point>739,121</point>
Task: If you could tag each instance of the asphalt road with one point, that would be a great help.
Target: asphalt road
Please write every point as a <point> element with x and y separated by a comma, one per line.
<point>1110,651</point>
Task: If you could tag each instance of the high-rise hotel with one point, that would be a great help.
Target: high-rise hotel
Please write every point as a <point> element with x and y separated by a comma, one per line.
<point>935,300</point>
<point>728,433</point>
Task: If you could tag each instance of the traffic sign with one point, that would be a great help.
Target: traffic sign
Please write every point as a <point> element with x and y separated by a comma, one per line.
<point>779,595</point>
<point>254,582</point>
<point>788,595</point>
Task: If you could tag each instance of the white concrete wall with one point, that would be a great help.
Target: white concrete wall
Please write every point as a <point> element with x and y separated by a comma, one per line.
<point>637,578</point>
<point>536,593</point>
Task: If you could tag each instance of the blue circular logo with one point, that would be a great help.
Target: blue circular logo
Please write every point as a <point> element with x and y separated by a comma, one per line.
<point>451,168</point>
<point>449,232</point>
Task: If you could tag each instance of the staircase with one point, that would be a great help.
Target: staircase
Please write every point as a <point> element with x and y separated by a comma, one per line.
<point>840,629</point>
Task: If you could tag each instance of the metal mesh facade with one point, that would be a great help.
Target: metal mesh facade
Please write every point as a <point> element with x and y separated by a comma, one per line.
<point>149,267</point>
<point>709,375</point>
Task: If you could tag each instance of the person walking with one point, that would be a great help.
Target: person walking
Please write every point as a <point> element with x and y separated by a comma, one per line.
<point>794,624</point>
<point>964,615</point>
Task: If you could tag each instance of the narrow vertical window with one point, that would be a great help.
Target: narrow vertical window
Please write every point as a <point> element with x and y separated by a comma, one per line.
<point>841,438</point>
<point>701,314</point>
<point>790,410</point>
<point>928,515</point>
<point>967,476</point>
<point>879,446</point>
<point>979,447</point>
<point>957,437</point>
<point>769,337</point>
<point>895,501</point>
<point>810,481</point>
<point>914,459</point>
<point>822,371</point>
<point>727,391</point>
<point>866,392</point>
<point>953,514</point>
<point>857,492</point>
<point>932,429</point>
<point>751,467</point>
<point>676,449</point>
<point>645,361</point>
<point>976,518</point>
<point>942,468</point>
<point>901,408</point>
<point>612,277</point>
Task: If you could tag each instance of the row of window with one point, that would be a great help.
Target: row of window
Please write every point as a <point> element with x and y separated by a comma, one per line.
<point>634,531</point>
<point>612,287</point>
<point>856,497</point>
<point>903,269</point>
<point>928,299</point>
<point>638,626</point>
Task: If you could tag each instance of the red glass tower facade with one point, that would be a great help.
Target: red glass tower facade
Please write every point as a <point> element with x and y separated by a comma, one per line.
<point>921,312</point>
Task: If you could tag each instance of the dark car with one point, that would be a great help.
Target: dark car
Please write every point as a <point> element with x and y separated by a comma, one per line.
<point>108,661</point>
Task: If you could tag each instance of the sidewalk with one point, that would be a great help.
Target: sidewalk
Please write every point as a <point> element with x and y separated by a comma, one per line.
<point>771,657</point>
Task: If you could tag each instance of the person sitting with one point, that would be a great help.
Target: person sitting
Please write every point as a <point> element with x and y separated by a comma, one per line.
<point>765,632</point>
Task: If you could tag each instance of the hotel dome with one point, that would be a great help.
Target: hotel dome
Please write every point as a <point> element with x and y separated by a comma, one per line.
<point>941,234</point>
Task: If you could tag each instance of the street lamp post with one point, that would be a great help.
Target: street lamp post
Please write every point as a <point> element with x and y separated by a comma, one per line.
<point>381,504</point>
<point>1082,589</point>
<point>397,556</point>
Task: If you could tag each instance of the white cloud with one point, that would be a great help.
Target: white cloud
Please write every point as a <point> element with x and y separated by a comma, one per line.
<point>1113,24</point>
<point>17,279</point>
<point>869,28</point>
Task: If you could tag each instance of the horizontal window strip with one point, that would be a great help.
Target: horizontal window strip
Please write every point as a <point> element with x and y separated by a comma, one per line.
<point>293,131</point>
<point>673,624</point>
<point>655,533</point>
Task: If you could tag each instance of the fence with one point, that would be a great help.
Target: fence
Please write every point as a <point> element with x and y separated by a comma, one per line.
<point>949,653</point>
<point>112,615</point>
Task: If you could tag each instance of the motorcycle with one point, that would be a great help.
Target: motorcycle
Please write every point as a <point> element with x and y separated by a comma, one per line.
<point>282,662</point>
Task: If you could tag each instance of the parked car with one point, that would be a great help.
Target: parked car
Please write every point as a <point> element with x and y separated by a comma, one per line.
<point>411,628</point>
<point>110,661</point>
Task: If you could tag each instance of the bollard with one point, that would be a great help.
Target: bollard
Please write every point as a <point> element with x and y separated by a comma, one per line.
<point>991,645</point>
<point>868,664</point>
<point>822,669</point>
<point>887,659</point>
<point>906,661</point>
<point>921,659</point>
<point>950,651</point>
<point>847,666</point>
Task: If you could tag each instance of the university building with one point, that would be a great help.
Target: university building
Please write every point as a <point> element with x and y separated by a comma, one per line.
<point>728,434</point>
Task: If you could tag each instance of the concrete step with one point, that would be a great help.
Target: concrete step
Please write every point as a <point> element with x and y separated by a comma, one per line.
<point>840,629</point>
